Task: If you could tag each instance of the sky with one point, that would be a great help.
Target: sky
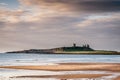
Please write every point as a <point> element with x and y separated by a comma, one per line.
<point>42,24</point>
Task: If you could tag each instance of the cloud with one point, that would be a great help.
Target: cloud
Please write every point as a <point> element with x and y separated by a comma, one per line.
<point>76,5</point>
<point>3,4</point>
<point>53,23</point>
<point>11,16</point>
<point>99,18</point>
<point>60,31</point>
<point>27,15</point>
<point>39,9</point>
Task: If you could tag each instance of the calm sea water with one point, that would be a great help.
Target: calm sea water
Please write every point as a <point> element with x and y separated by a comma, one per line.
<point>48,59</point>
<point>41,59</point>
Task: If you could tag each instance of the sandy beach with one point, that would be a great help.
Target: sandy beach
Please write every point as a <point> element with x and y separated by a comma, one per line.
<point>115,67</point>
<point>118,78</point>
<point>109,67</point>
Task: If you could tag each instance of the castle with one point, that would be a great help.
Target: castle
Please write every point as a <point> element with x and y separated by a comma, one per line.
<point>85,47</point>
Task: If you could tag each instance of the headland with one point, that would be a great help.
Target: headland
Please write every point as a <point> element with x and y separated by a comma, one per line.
<point>84,49</point>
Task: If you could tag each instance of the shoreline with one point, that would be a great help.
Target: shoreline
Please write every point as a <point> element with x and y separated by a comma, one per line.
<point>110,69</point>
<point>94,52</point>
<point>70,53</point>
<point>66,76</point>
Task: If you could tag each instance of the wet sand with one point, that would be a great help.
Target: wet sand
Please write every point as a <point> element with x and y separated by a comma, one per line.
<point>71,67</point>
<point>66,76</point>
<point>110,67</point>
<point>118,78</point>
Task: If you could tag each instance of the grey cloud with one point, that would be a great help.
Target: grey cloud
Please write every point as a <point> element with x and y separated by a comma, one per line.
<point>60,32</point>
<point>99,6</point>
<point>78,5</point>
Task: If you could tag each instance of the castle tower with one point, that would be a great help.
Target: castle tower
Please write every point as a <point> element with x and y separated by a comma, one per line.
<point>74,45</point>
<point>88,46</point>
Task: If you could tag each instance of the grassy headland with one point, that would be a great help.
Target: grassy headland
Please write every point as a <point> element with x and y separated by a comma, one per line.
<point>96,52</point>
<point>85,49</point>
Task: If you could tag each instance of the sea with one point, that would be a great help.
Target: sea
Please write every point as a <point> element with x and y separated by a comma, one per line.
<point>12,59</point>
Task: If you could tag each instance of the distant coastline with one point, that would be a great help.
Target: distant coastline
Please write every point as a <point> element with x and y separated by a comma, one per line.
<point>84,49</point>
